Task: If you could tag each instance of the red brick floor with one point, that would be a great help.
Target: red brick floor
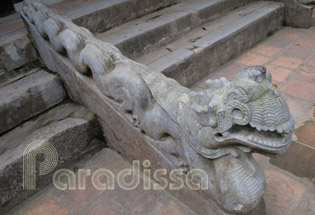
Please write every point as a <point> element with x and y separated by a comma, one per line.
<point>91,201</point>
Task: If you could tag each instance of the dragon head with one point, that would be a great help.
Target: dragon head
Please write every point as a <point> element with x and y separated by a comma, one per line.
<point>247,112</point>
<point>227,122</point>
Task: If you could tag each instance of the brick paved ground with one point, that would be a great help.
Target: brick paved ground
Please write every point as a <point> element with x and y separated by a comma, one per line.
<point>91,201</point>
<point>289,55</point>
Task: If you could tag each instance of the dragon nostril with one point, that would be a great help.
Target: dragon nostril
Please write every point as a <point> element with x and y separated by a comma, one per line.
<point>218,135</point>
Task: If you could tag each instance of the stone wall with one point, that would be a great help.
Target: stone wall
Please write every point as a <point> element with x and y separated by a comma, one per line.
<point>297,14</point>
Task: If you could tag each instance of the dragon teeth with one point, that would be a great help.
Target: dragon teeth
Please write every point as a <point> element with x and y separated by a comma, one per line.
<point>286,127</point>
<point>279,129</point>
<point>252,124</point>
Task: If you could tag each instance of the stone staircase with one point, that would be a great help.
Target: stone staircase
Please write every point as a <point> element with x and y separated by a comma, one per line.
<point>190,39</point>
<point>186,40</point>
<point>34,104</point>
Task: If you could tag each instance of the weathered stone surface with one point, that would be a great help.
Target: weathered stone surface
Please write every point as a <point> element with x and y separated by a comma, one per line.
<point>155,30</point>
<point>16,53</point>
<point>17,50</point>
<point>7,78</point>
<point>28,97</point>
<point>297,13</point>
<point>215,48</point>
<point>143,113</point>
<point>73,131</point>
<point>103,15</point>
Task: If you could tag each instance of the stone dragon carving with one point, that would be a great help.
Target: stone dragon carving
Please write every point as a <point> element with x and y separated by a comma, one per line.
<point>216,129</point>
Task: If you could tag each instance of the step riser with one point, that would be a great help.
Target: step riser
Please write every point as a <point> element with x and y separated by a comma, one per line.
<point>101,20</point>
<point>72,130</point>
<point>29,97</point>
<point>202,61</point>
<point>15,54</point>
<point>16,49</point>
<point>182,21</point>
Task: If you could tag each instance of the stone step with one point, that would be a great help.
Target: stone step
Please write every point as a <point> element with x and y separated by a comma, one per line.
<point>101,15</point>
<point>203,50</point>
<point>94,201</point>
<point>148,33</point>
<point>7,78</point>
<point>17,50</point>
<point>71,129</point>
<point>29,97</point>
<point>95,15</point>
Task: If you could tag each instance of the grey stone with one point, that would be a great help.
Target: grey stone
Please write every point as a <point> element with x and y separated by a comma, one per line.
<point>7,78</point>
<point>298,13</point>
<point>103,15</point>
<point>209,10</point>
<point>15,54</point>
<point>148,33</point>
<point>169,61</point>
<point>163,63</point>
<point>28,97</point>
<point>215,130</point>
<point>70,128</point>
<point>219,46</point>
<point>234,27</point>
<point>181,54</point>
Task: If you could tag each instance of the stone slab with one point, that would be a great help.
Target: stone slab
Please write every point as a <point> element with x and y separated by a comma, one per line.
<point>7,78</point>
<point>17,53</point>
<point>155,30</point>
<point>28,97</point>
<point>296,14</point>
<point>219,46</point>
<point>17,50</point>
<point>214,8</point>
<point>234,27</point>
<point>70,128</point>
<point>103,15</point>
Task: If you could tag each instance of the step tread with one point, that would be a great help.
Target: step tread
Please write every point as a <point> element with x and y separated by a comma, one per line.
<point>70,128</point>
<point>215,30</point>
<point>235,26</point>
<point>91,7</point>
<point>193,56</point>
<point>165,25</point>
<point>28,97</point>
<point>117,201</point>
<point>95,15</point>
